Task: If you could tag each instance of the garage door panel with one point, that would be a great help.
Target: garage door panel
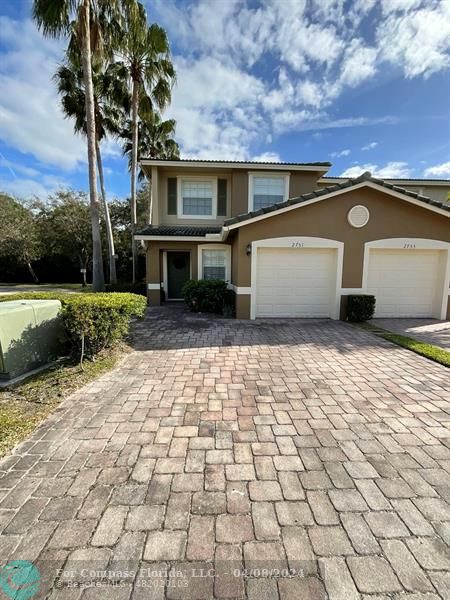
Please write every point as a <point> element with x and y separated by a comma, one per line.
<point>405,283</point>
<point>295,282</point>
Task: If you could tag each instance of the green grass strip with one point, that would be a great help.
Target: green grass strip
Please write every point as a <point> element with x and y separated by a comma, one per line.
<point>428,350</point>
<point>435,353</point>
<point>25,405</point>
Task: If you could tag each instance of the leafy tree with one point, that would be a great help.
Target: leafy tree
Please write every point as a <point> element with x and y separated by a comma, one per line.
<point>145,53</point>
<point>19,235</point>
<point>83,20</point>
<point>64,226</point>
<point>110,96</point>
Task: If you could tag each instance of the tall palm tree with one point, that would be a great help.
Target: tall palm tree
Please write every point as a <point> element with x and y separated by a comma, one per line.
<point>145,53</point>
<point>110,95</point>
<point>58,18</point>
<point>155,141</point>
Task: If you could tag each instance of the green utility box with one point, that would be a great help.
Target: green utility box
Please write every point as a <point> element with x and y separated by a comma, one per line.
<point>30,335</point>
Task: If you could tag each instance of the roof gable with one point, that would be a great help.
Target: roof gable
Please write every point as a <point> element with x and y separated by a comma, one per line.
<point>365,179</point>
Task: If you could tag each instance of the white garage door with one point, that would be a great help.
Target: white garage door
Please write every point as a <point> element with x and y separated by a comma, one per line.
<point>295,282</point>
<point>406,283</point>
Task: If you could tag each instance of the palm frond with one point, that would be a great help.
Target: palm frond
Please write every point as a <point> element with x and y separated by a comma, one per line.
<point>53,17</point>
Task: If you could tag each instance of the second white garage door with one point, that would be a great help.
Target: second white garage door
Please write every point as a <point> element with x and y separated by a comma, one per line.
<point>406,283</point>
<point>299,282</point>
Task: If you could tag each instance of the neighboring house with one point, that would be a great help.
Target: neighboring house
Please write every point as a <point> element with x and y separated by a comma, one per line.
<point>290,247</point>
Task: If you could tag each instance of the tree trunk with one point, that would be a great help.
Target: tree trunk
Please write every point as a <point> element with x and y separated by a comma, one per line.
<point>98,279</point>
<point>109,231</point>
<point>134,152</point>
<point>32,272</point>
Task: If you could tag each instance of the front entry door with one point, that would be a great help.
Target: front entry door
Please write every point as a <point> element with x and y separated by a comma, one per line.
<point>178,272</point>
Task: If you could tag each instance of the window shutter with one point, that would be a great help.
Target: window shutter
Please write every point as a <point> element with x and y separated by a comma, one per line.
<point>171,195</point>
<point>222,198</point>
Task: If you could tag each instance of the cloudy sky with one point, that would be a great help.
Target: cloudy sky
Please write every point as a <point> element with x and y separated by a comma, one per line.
<point>362,83</point>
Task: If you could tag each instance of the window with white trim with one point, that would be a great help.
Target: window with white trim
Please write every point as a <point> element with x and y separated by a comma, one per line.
<point>197,198</point>
<point>266,190</point>
<point>214,261</point>
<point>214,264</point>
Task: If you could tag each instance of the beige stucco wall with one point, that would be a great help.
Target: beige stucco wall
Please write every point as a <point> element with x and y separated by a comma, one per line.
<point>389,218</point>
<point>165,219</point>
<point>436,192</point>
<point>154,262</point>
<point>300,182</point>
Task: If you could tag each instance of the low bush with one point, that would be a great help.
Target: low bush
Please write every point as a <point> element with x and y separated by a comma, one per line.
<point>91,321</point>
<point>206,295</point>
<point>132,288</point>
<point>360,307</point>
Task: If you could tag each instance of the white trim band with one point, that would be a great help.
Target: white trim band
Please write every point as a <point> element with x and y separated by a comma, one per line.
<point>241,290</point>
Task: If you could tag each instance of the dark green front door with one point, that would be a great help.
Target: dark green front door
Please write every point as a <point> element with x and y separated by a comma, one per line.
<point>178,272</point>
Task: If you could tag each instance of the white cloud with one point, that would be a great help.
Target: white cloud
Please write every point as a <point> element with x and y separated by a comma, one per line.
<point>310,93</point>
<point>30,117</point>
<point>442,170</point>
<point>418,42</point>
<point>27,188</point>
<point>248,71</point>
<point>370,146</point>
<point>267,157</point>
<point>358,64</point>
<point>217,108</point>
<point>390,6</point>
<point>392,170</point>
<point>345,152</point>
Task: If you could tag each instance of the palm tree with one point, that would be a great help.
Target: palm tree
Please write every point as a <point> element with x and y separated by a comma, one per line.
<point>110,94</point>
<point>155,141</point>
<point>145,53</point>
<point>58,18</point>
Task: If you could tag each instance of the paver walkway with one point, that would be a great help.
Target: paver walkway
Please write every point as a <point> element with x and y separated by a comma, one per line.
<point>310,456</point>
<point>430,331</point>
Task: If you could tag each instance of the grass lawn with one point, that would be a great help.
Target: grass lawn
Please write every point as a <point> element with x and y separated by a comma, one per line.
<point>42,287</point>
<point>435,353</point>
<point>24,406</point>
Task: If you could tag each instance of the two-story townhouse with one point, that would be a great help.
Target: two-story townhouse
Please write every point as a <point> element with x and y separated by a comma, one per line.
<point>290,243</point>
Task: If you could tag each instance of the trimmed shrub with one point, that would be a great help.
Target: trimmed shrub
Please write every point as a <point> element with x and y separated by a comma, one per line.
<point>360,308</point>
<point>99,320</point>
<point>205,295</point>
<point>131,288</point>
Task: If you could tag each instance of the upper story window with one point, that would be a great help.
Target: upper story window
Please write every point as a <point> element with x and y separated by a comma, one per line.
<point>267,189</point>
<point>197,198</point>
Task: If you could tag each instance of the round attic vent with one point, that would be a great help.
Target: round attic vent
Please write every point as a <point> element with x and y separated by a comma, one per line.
<point>358,216</point>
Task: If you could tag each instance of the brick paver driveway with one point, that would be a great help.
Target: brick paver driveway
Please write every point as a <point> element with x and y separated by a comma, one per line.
<point>311,456</point>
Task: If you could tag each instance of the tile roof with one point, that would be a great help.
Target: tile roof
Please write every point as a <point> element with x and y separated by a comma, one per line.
<point>177,230</point>
<point>334,188</point>
<point>242,162</point>
<point>424,180</point>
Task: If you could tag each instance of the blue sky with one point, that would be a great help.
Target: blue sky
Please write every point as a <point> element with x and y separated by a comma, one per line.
<point>364,84</point>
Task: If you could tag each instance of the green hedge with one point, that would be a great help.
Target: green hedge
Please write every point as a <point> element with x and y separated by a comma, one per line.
<point>101,319</point>
<point>360,307</point>
<point>132,288</point>
<point>207,295</point>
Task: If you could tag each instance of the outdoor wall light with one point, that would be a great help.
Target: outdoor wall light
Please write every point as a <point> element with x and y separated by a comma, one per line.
<point>248,249</point>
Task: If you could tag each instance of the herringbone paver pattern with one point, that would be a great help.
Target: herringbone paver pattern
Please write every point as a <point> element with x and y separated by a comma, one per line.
<point>298,459</point>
